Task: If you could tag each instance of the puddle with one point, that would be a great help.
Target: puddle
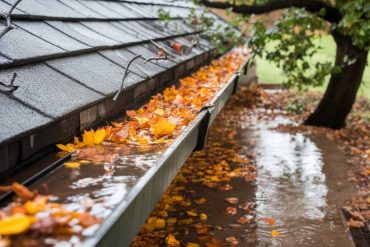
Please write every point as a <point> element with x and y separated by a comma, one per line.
<point>301,184</point>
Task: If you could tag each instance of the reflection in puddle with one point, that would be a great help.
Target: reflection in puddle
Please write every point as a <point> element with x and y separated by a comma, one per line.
<point>99,188</point>
<point>292,188</point>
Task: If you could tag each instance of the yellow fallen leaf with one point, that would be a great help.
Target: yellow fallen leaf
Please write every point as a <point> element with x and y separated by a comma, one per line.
<point>142,120</point>
<point>171,221</point>
<point>275,233</point>
<point>99,136</point>
<point>162,127</point>
<point>203,216</point>
<point>88,137</point>
<point>177,198</point>
<point>15,224</point>
<point>192,245</point>
<point>191,213</point>
<point>171,240</point>
<point>154,223</point>
<point>72,164</point>
<point>67,148</point>
<point>36,205</point>
<point>200,201</point>
<point>159,112</point>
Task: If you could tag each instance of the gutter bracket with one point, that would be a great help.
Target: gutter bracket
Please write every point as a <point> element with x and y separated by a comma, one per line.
<point>236,82</point>
<point>203,127</point>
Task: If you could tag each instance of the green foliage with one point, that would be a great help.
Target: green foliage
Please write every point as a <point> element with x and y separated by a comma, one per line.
<point>293,37</point>
<point>293,34</point>
<point>164,16</point>
<point>356,22</point>
<point>222,35</point>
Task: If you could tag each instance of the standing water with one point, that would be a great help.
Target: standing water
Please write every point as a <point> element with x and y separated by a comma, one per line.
<point>301,184</point>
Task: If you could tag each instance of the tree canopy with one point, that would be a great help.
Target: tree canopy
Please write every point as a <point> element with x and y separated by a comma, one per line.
<point>292,37</point>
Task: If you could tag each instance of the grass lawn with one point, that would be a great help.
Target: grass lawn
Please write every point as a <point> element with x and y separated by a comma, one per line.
<point>269,73</point>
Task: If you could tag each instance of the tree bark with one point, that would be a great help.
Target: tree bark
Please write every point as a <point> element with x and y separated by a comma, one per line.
<point>341,92</point>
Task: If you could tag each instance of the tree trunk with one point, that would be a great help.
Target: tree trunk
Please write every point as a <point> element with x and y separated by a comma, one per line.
<point>342,89</point>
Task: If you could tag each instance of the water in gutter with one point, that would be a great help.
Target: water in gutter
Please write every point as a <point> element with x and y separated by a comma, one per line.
<point>97,185</point>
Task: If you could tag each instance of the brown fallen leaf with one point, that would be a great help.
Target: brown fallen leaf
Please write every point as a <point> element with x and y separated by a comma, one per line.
<point>355,223</point>
<point>246,219</point>
<point>230,211</point>
<point>232,200</point>
<point>232,240</point>
<point>247,206</point>
<point>86,219</point>
<point>226,187</point>
<point>200,201</point>
<point>267,220</point>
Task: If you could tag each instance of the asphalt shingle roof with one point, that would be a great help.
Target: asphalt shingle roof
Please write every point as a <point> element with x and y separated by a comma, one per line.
<point>70,55</point>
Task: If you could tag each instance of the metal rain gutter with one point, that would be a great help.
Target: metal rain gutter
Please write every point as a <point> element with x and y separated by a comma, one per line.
<point>124,223</point>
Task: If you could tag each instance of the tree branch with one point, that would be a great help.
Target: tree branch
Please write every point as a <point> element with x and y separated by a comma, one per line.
<point>161,55</point>
<point>125,76</point>
<point>9,26</point>
<point>314,6</point>
<point>9,88</point>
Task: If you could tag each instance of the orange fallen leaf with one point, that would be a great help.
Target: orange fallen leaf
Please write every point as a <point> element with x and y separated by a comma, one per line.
<point>192,245</point>
<point>230,211</point>
<point>36,205</point>
<point>275,233</point>
<point>172,241</point>
<point>203,216</point>
<point>177,47</point>
<point>200,201</point>
<point>232,241</point>
<point>19,189</point>
<point>267,220</point>
<point>162,127</point>
<point>86,219</point>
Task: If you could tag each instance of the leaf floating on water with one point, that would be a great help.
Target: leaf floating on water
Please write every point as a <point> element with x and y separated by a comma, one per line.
<point>232,241</point>
<point>36,205</point>
<point>99,136</point>
<point>87,220</point>
<point>88,138</point>
<point>162,127</point>
<point>267,220</point>
<point>72,164</point>
<point>67,148</point>
<point>275,233</point>
<point>19,189</point>
<point>15,224</point>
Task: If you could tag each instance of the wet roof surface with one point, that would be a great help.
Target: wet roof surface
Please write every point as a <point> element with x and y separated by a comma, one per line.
<point>71,54</point>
